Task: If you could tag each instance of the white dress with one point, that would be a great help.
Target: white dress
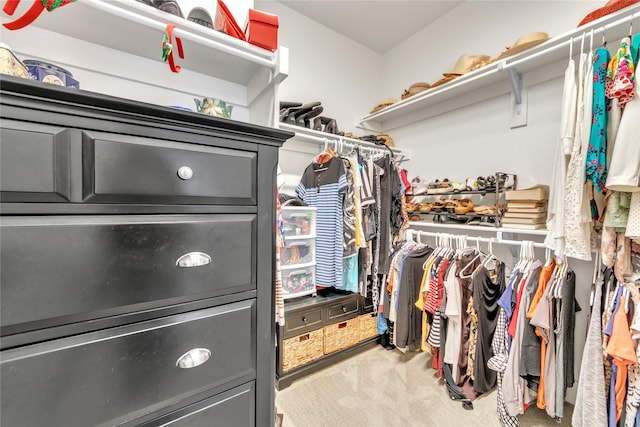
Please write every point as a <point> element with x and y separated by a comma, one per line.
<point>555,216</point>
<point>577,221</point>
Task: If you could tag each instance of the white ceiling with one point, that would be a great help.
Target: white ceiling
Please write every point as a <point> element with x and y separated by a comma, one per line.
<point>378,25</point>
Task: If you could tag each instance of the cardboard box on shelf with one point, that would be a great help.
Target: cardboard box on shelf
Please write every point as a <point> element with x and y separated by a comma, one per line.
<point>539,192</point>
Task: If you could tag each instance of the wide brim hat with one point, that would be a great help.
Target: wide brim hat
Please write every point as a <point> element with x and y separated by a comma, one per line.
<point>523,43</point>
<point>467,63</point>
<point>388,141</point>
<point>382,104</point>
<point>415,89</point>
<point>610,7</point>
<point>444,80</point>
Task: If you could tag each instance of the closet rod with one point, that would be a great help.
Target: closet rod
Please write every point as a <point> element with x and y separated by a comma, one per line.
<point>161,26</point>
<point>573,38</point>
<point>492,240</point>
<point>321,138</point>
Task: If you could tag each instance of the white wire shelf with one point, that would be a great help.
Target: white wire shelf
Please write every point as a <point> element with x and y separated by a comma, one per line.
<point>492,80</point>
<point>477,228</point>
<point>136,28</point>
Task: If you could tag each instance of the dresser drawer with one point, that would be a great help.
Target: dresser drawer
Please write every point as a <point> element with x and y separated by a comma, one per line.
<point>115,375</point>
<point>226,409</point>
<point>343,310</point>
<point>122,168</point>
<point>69,268</point>
<point>302,321</point>
<point>34,163</point>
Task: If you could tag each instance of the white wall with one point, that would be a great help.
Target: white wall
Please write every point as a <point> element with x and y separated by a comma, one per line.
<point>324,66</point>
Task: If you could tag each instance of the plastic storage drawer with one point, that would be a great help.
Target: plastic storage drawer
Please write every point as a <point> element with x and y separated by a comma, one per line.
<point>298,281</point>
<point>297,252</point>
<point>298,221</point>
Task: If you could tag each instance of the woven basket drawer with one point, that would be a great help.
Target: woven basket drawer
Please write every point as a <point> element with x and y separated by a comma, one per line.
<point>302,349</point>
<point>341,335</point>
<point>368,326</point>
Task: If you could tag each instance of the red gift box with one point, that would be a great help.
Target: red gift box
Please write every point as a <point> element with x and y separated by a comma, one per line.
<point>261,29</point>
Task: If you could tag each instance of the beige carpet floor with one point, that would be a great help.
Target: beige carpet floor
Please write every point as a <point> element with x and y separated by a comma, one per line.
<point>382,388</point>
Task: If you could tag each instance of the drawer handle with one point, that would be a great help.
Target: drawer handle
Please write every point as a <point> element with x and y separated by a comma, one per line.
<point>304,319</point>
<point>185,172</point>
<point>344,309</point>
<point>193,358</point>
<point>193,259</point>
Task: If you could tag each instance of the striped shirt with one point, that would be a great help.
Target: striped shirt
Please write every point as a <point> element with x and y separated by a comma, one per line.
<point>323,186</point>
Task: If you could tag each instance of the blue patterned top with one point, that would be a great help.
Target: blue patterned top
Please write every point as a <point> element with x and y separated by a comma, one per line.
<point>596,167</point>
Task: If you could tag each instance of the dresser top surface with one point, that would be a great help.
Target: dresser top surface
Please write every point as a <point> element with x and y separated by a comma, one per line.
<point>15,91</point>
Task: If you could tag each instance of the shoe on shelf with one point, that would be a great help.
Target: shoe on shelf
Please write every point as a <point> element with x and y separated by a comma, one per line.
<point>451,205</point>
<point>491,183</point>
<point>418,186</point>
<point>426,207</point>
<point>464,206</point>
<point>438,205</point>
<point>439,187</point>
<point>485,210</point>
<point>482,183</point>
<point>506,181</point>
<point>412,207</point>
<point>457,187</point>
<point>471,184</point>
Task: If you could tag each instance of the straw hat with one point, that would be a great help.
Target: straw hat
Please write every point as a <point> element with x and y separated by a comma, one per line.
<point>415,88</point>
<point>468,62</point>
<point>610,7</point>
<point>388,141</point>
<point>523,43</point>
<point>382,104</point>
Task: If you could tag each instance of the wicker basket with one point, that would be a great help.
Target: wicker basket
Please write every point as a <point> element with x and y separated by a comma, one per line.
<point>341,335</point>
<point>368,326</point>
<point>302,349</point>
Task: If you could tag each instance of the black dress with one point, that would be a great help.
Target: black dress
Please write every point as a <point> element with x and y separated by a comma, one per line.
<point>485,301</point>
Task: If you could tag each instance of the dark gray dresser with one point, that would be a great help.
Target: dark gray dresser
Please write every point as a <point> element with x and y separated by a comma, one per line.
<point>136,263</point>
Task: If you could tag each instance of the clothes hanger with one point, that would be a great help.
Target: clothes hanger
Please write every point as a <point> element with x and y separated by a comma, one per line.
<point>468,276</point>
<point>570,48</point>
<point>604,40</point>
<point>547,255</point>
<point>562,276</point>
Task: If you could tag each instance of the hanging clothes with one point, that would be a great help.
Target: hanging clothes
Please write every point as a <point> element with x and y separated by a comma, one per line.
<point>323,186</point>
<point>555,238</point>
<point>384,198</point>
<point>498,363</point>
<point>624,171</point>
<point>577,213</point>
<point>485,301</point>
<point>466,264</point>
<point>515,389</point>
<point>590,406</point>
<point>408,324</point>
<point>620,348</point>
<point>545,278</point>
<point>596,167</point>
